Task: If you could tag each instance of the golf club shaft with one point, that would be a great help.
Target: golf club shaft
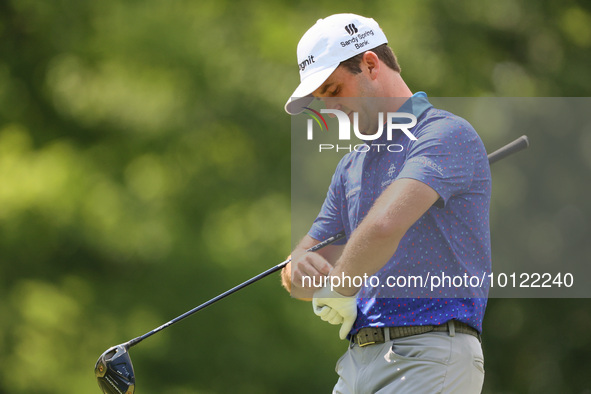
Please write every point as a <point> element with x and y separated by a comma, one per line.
<point>268,272</point>
<point>515,146</point>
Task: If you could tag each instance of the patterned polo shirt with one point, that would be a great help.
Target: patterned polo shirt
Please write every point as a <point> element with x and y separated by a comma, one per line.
<point>450,241</point>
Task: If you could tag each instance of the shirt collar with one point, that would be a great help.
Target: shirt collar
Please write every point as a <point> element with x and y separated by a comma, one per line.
<point>417,104</point>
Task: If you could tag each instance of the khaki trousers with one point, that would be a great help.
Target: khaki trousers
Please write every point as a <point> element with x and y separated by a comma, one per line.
<point>437,362</point>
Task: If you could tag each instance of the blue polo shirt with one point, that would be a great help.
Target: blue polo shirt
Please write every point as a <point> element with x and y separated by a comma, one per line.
<point>451,239</point>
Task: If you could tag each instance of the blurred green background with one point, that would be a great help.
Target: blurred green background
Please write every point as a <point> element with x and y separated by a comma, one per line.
<point>145,168</point>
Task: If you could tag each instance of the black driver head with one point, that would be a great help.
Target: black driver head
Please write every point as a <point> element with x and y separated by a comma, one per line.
<point>114,371</point>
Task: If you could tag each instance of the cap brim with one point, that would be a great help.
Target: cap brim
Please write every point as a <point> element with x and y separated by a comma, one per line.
<point>302,96</point>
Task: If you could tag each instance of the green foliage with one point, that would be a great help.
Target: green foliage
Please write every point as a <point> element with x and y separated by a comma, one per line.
<point>144,168</point>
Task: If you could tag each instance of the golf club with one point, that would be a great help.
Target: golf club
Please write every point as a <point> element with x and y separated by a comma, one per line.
<point>114,370</point>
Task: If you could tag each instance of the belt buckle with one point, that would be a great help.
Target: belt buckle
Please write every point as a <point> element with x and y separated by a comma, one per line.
<point>365,343</point>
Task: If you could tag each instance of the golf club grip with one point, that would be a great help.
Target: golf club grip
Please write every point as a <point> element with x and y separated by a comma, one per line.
<point>512,147</point>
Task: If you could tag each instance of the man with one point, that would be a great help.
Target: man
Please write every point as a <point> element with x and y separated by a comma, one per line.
<point>420,209</point>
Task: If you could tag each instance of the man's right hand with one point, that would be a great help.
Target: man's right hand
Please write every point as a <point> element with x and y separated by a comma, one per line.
<point>308,271</point>
<point>309,265</point>
<point>314,265</point>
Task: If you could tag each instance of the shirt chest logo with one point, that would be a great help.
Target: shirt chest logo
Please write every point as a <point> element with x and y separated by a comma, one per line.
<point>391,173</point>
<point>391,170</point>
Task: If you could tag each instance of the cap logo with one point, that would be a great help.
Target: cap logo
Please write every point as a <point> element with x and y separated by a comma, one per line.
<point>307,62</point>
<point>351,29</point>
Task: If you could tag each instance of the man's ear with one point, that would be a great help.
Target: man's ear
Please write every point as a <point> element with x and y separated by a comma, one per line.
<point>371,62</point>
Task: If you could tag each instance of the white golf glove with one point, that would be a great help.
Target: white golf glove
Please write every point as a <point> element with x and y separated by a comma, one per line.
<point>335,308</point>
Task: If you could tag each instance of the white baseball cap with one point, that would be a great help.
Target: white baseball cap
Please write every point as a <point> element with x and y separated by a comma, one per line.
<point>324,46</point>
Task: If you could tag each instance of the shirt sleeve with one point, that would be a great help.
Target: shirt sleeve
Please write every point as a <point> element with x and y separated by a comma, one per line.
<point>444,155</point>
<point>329,221</point>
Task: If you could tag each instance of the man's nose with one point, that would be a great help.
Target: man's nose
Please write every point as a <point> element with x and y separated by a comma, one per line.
<point>333,104</point>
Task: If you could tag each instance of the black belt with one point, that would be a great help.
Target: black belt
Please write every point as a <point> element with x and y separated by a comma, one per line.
<point>371,335</point>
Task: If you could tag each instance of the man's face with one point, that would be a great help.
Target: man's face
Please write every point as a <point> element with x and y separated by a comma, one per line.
<point>349,93</point>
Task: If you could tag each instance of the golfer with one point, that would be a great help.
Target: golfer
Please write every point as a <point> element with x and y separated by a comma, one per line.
<point>421,209</point>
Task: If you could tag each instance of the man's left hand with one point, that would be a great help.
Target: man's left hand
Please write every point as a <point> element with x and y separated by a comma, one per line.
<point>336,308</point>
